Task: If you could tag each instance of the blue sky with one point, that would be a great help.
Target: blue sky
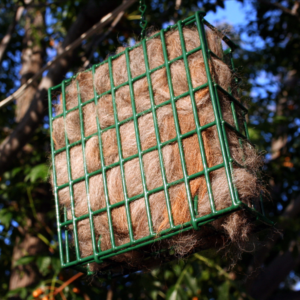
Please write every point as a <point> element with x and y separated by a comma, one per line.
<point>238,14</point>
<point>235,13</point>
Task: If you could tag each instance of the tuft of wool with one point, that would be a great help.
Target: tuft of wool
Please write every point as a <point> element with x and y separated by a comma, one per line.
<point>236,227</point>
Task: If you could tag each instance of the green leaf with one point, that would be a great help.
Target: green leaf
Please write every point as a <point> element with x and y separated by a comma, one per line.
<point>43,263</point>
<point>254,134</point>
<point>153,294</point>
<point>15,171</point>
<point>5,217</point>
<point>24,260</point>
<point>21,292</point>
<point>38,172</point>
<point>55,263</point>
<point>224,291</point>
<point>205,275</point>
<point>168,274</point>
<point>177,269</point>
<point>173,294</point>
<point>182,294</point>
<point>191,282</point>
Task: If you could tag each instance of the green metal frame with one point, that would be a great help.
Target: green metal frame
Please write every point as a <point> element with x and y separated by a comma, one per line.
<point>221,125</point>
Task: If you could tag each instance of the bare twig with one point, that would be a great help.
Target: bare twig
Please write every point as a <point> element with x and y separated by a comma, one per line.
<point>178,4</point>
<point>63,296</point>
<point>15,142</point>
<point>86,296</point>
<point>291,211</point>
<point>6,39</point>
<point>110,292</point>
<point>61,288</point>
<point>99,40</point>
<point>275,273</point>
<point>292,12</point>
<point>96,28</point>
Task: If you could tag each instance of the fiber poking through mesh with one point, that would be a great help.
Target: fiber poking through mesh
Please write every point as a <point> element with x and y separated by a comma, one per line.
<point>236,227</point>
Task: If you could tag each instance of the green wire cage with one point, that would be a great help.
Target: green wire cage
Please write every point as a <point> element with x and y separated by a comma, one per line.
<point>72,257</point>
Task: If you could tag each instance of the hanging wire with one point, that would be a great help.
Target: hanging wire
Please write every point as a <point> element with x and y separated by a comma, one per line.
<point>143,22</point>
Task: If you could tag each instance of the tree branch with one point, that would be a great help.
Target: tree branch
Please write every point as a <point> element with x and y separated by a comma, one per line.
<point>274,274</point>
<point>34,115</point>
<point>254,271</point>
<point>68,49</point>
<point>32,56</point>
<point>6,39</point>
<point>290,295</point>
<point>285,10</point>
<point>101,38</point>
<point>61,288</point>
<point>293,209</point>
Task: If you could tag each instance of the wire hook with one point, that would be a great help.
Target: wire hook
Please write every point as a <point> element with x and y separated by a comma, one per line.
<point>143,21</point>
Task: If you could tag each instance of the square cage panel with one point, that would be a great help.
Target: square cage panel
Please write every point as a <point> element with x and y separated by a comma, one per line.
<point>145,144</point>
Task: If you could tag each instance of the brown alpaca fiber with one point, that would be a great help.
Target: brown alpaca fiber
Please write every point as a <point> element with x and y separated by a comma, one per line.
<point>236,227</point>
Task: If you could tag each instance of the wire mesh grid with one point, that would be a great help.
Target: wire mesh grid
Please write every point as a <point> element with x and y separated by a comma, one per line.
<point>66,256</point>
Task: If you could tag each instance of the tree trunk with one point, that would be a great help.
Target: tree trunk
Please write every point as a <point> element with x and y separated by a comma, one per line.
<point>32,61</point>
<point>13,144</point>
<point>275,273</point>
<point>32,57</point>
<point>263,280</point>
<point>25,275</point>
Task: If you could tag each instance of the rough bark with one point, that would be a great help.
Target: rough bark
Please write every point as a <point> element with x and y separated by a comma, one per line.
<point>279,142</point>
<point>7,38</point>
<point>32,57</point>
<point>263,281</point>
<point>274,274</point>
<point>290,295</point>
<point>254,270</point>
<point>31,108</point>
<point>32,61</point>
<point>25,275</point>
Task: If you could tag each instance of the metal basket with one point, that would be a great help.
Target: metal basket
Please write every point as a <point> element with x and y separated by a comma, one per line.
<point>196,222</point>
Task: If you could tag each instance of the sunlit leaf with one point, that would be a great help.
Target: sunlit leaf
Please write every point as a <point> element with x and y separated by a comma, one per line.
<point>223,291</point>
<point>191,282</point>
<point>38,172</point>
<point>24,260</point>
<point>5,217</point>
<point>43,263</point>
<point>173,294</point>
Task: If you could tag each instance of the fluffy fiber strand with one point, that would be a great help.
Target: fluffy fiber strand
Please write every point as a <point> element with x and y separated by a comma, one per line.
<point>236,227</point>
